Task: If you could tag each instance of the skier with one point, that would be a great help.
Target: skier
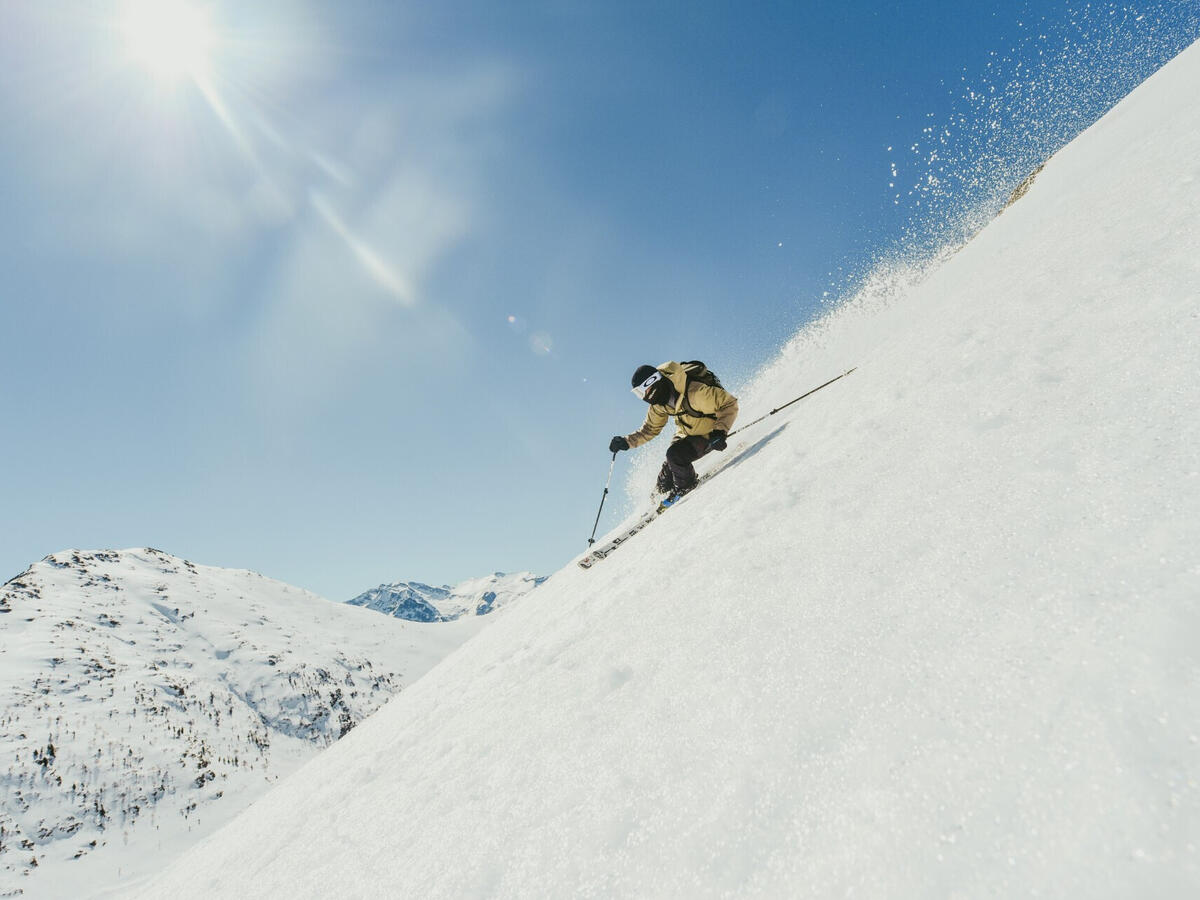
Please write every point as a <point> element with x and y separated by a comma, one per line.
<point>703,410</point>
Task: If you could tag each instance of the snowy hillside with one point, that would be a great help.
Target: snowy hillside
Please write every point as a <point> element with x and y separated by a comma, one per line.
<point>933,632</point>
<point>144,700</point>
<point>418,602</point>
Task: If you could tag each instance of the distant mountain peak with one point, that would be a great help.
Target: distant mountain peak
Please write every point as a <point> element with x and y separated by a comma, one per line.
<point>141,689</point>
<point>417,602</point>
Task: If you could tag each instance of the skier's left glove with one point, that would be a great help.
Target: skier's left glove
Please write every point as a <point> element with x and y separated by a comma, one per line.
<point>716,440</point>
<point>617,444</point>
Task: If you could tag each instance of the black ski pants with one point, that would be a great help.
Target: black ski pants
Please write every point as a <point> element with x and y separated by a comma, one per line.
<point>680,456</point>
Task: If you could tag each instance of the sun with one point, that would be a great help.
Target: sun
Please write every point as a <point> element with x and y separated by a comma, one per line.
<point>171,38</point>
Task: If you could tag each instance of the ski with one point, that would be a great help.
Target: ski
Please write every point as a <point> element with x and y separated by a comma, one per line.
<point>593,556</point>
<point>596,554</point>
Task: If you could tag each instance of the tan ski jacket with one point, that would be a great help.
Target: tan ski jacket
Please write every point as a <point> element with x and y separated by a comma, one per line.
<point>698,409</point>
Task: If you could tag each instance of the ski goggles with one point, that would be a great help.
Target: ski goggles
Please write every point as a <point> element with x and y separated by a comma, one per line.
<point>642,388</point>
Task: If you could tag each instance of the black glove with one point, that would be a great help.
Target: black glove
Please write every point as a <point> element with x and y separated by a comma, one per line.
<point>617,444</point>
<point>716,440</point>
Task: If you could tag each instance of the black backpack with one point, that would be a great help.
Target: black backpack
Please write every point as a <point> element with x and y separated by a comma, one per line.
<point>698,371</point>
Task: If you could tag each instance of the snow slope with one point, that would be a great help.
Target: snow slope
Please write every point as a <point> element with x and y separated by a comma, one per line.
<point>419,602</point>
<point>933,632</point>
<point>144,700</point>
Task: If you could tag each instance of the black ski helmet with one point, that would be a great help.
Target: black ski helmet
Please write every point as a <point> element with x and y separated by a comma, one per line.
<point>642,373</point>
<point>658,392</point>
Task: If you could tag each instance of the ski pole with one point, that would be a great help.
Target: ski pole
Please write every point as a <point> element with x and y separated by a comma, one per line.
<point>603,497</point>
<point>790,402</point>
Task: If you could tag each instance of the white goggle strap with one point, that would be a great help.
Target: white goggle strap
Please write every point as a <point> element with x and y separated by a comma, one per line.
<point>641,389</point>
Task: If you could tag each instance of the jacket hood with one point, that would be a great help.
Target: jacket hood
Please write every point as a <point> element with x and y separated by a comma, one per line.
<point>676,375</point>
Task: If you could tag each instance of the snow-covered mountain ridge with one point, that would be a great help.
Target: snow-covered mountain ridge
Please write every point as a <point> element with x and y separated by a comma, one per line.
<point>144,699</point>
<point>419,602</point>
<point>934,632</point>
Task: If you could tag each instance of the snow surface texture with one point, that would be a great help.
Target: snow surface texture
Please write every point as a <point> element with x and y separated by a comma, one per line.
<point>933,632</point>
<point>145,700</point>
<point>423,603</point>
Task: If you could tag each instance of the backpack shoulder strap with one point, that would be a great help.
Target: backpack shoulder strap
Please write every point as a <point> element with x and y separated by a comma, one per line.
<point>687,406</point>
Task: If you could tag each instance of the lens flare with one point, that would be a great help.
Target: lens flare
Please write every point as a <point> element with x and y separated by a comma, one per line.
<point>171,38</point>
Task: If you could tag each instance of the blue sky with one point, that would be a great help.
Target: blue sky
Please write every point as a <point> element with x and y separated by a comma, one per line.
<point>355,296</point>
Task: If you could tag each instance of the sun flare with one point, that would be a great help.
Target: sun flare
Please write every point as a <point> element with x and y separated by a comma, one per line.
<point>171,38</point>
